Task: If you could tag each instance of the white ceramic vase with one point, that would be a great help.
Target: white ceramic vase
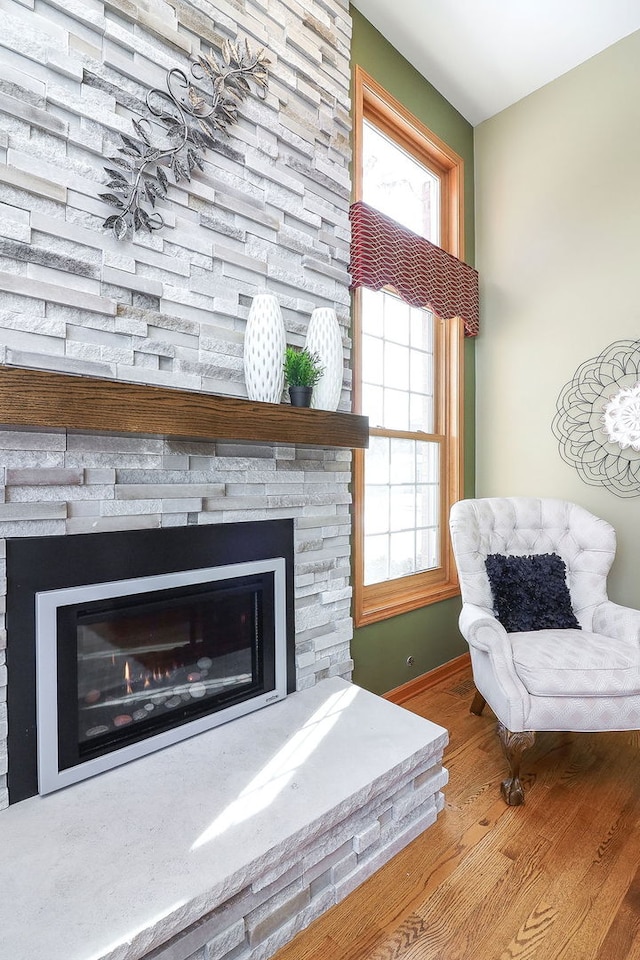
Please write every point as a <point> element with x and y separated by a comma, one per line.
<point>264,348</point>
<point>325,339</point>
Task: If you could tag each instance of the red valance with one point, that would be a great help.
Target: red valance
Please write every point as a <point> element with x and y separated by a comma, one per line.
<point>425,275</point>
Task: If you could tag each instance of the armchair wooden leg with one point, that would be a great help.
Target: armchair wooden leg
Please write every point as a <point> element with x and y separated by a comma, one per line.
<point>514,745</point>
<point>478,704</point>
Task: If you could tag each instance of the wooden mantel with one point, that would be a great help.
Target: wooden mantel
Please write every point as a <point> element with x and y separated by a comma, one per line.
<point>38,398</point>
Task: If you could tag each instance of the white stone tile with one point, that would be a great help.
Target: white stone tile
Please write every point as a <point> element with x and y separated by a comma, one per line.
<point>103,524</point>
<point>32,511</point>
<point>130,508</point>
<point>226,941</point>
<point>32,528</point>
<point>182,505</point>
<point>83,508</point>
<point>416,798</point>
<point>363,840</point>
<point>144,491</point>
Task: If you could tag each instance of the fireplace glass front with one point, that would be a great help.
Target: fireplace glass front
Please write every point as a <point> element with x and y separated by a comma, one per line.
<point>127,667</point>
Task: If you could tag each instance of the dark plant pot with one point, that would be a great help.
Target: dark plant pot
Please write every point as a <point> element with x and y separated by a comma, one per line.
<point>300,396</point>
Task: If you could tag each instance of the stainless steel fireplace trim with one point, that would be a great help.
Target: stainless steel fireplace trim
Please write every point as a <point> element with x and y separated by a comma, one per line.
<point>50,777</point>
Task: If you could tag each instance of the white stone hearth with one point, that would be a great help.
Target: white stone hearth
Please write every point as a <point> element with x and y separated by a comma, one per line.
<point>237,838</point>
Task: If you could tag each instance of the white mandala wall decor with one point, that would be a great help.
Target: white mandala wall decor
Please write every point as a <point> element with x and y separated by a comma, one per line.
<point>597,420</point>
<point>622,418</point>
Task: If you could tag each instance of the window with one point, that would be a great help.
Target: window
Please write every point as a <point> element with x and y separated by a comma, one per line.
<point>407,373</point>
<point>397,184</point>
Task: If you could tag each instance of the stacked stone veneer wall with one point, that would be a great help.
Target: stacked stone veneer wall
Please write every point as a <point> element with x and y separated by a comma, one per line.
<point>269,212</point>
<point>280,902</point>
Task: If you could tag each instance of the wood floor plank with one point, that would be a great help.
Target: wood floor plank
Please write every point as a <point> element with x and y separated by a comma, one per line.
<point>605,886</point>
<point>623,936</point>
<point>555,879</point>
<point>581,857</point>
<point>501,908</point>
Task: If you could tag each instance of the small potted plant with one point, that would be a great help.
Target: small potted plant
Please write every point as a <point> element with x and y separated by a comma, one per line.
<point>302,370</point>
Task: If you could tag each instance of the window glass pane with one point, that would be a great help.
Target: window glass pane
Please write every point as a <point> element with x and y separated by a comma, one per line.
<point>376,559</point>
<point>421,413</point>
<point>428,462</point>
<point>399,359</point>
<point>403,508</point>
<point>403,460</point>
<point>427,548</point>
<point>396,410</point>
<point>398,185</point>
<point>372,406</point>
<point>372,312</point>
<point>397,319</point>
<point>421,372</point>
<point>422,329</point>
<point>402,501</point>
<point>376,512</point>
<point>372,356</point>
<point>377,461</point>
<point>427,505</point>
<point>402,554</point>
<point>396,366</point>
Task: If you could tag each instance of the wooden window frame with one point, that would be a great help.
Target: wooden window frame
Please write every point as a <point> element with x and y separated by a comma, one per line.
<point>372,102</point>
<point>375,602</point>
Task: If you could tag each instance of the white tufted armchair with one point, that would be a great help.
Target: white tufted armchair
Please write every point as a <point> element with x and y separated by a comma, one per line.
<point>567,679</point>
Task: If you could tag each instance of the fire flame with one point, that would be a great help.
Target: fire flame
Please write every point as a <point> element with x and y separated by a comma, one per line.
<point>134,676</point>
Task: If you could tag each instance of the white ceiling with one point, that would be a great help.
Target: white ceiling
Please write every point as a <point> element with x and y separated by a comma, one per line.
<point>484,55</point>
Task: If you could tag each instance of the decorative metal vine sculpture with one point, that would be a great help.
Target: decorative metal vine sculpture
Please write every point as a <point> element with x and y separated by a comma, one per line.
<point>193,118</point>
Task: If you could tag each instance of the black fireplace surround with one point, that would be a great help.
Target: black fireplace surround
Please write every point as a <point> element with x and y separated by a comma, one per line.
<point>134,677</point>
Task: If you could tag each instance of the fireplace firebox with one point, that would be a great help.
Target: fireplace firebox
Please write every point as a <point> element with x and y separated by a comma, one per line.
<point>126,667</point>
<point>112,669</point>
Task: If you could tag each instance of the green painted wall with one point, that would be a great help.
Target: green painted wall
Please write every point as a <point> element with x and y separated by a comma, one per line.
<point>429,635</point>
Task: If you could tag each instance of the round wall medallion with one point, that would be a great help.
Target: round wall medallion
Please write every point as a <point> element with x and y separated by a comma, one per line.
<point>622,418</point>
<point>597,421</point>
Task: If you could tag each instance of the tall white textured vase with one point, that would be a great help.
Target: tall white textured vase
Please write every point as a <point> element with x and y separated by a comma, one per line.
<point>325,339</point>
<point>264,347</point>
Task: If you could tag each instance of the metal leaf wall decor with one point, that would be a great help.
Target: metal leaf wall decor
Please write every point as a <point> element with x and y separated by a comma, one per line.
<point>192,114</point>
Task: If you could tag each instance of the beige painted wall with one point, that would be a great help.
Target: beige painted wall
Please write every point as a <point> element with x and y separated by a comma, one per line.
<point>558,250</point>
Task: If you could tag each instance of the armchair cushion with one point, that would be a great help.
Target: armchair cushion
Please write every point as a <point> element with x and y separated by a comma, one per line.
<point>530,593</point>
<point>569,663</point>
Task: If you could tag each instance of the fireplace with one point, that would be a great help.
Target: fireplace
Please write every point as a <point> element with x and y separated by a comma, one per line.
<point>120,644</point>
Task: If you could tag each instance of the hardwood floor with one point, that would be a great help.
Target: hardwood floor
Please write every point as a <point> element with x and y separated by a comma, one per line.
<point>556,878</point>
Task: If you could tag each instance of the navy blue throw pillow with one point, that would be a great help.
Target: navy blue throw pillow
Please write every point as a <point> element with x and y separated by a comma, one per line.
<point>530,593</point>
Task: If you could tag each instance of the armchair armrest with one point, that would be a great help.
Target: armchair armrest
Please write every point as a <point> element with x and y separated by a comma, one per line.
<point>614,620</point>
<point>481,629</point>
<point>493,670</point>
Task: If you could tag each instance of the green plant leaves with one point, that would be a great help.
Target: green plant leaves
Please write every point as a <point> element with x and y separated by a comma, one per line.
<point>301,368</point>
